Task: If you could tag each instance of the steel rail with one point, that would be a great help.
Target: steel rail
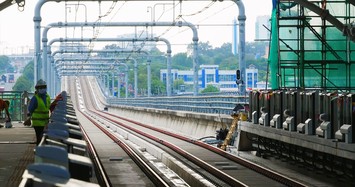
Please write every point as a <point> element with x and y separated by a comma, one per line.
<point>148,170</point>
<point>226,178</point>
<point>262,170</point>
<point>102,176</point>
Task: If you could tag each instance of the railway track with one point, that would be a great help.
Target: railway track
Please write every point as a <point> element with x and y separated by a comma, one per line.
<point>207,165</point>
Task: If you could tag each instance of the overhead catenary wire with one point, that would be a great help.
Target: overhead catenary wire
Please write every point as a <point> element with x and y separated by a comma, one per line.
<point>114,6</point>
<point>199,23</point>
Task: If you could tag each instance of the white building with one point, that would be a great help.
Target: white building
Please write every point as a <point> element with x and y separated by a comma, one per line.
<point>225,80</point>
<point>251,77</point>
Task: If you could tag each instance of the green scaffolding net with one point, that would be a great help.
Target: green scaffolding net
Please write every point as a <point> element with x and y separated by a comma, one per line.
<point>307,51</point>
<point>18,105</point>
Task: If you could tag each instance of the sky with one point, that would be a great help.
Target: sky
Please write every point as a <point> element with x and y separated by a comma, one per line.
<point>213,20</point>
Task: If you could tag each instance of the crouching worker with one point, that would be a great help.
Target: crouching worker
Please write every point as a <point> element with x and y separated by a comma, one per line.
<point>4,105</point>
<point>38,109</point>
<point>58,98</point>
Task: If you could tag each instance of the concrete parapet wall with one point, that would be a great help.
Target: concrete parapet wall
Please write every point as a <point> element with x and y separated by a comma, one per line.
<point>312,142</point>
<point>194,125</point>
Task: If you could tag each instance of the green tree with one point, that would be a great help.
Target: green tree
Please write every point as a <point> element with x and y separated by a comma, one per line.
<point>210,89</point>
<point>28,71</point>
<point>177,84</point>
<point>5,65</point>
<point>229,63</point>
<point>23,84</point>
<point>205,52</point>
<point>25,81</point>
<point>222,56</point>
<point>158,87</point>
<point>181,61</point>
<point>204,49</point>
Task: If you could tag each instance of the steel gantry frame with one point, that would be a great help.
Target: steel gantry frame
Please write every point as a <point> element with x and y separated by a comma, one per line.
<point>111,63</point>
<point>114,51</point>
<point>241,49</point>
<point>118,51</point>
<point>129,24</point>
<point>154,39</point>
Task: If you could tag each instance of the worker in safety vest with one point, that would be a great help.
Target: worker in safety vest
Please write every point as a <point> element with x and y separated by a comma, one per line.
<point>38,109</point>
<point>4,105</point>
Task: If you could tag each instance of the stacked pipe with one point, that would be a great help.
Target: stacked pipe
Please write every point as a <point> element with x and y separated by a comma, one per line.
<point>327,115</point>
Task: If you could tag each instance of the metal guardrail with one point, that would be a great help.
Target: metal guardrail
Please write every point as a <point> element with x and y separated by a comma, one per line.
<point>200,104</point>
<point>18,104</point>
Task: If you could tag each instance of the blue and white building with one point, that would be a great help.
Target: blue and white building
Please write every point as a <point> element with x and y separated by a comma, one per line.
<point>225,80</point>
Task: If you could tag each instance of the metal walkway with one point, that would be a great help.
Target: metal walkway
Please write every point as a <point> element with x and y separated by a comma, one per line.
<point>16,152</point>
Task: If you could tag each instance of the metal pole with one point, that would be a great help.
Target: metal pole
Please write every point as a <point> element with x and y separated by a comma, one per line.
<point>149,77</point>
<point>135,78</point>
<point>126,81</point>
<point>241,47</point>
<point>107,90</point>
<point>118,84</point>
<point>112,84</point>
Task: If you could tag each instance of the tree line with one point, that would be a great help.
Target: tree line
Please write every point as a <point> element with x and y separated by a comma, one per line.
<point>255,54</point>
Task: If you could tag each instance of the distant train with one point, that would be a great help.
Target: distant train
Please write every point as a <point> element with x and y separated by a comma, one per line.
<point>7,78</point>
<point>3,78</point>
<point>11,78</point>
